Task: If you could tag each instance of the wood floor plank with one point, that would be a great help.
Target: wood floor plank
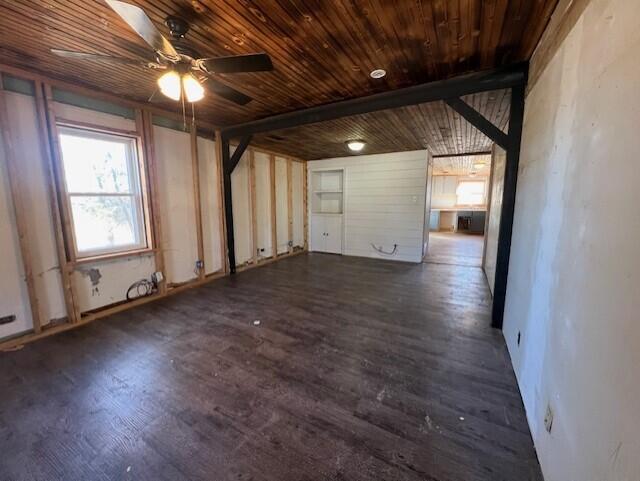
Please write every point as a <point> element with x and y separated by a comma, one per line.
<point>358,369</point>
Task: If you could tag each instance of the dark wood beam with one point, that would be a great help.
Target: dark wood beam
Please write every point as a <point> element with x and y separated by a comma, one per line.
<point>516,116</point>
<point>479,121</point>
<point>237,154</point>
<point>229,163</point>
<point>497,79</point>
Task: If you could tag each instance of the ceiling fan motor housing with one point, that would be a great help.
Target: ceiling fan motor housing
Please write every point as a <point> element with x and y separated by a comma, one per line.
<point>178,27</point>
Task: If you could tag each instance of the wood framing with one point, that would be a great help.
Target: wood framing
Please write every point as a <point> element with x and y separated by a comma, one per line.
<point>48,122</point>
<point>154,194</point>
<point>305,206</point>
<point>15,178</point>
<point>290,205</point>
<point>52,193</point>
<point>272,188</point>
<point>252,203</point>
<point>221,199</point>
<point>195,168</point>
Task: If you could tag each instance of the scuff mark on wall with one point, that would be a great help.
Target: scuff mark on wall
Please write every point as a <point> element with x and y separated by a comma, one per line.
<point>94,276</point>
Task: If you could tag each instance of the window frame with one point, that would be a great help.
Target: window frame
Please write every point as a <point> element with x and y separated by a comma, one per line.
<point>138,184</point>
<point>473,180</point>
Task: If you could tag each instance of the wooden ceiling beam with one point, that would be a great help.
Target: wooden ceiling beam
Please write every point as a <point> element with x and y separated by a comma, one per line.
<point>506,77</point>
<point>479,121</point>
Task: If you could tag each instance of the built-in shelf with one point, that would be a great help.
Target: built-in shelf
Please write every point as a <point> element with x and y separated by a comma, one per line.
<point>326,188</point>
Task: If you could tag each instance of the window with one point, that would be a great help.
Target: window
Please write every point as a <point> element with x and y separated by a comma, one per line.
<point>102,176</point>
<point>471,192</point>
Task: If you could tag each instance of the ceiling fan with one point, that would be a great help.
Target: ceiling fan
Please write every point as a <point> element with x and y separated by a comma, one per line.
<point>186,72</point>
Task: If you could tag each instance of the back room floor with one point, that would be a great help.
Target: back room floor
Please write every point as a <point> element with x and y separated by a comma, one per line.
<point>358,370</point>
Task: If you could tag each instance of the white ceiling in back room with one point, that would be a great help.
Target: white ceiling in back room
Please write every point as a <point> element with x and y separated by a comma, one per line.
<point>479,165</point>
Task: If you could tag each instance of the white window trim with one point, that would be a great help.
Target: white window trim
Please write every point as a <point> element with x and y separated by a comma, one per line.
<point>137,194</point>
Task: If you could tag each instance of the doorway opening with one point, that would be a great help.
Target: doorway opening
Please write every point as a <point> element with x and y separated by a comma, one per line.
<point>458,210</point>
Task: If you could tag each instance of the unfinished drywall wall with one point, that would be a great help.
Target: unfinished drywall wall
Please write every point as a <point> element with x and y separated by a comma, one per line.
<point>298,203</point>
<point>384,201</point>
<point>25,133</point>
<point>177,203</point>
<point>210,196</point>
<point>263,204</point>
<point>496,188</point>
<point>282,206</point>
<point>14,299</point>
<point>241,199</point>
<point>573,290</point>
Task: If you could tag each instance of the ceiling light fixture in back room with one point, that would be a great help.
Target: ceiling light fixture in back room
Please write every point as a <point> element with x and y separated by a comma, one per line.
<point>356,145</point>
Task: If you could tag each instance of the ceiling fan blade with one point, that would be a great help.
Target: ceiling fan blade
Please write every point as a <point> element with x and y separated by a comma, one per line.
<point>143,26</point>
<point>98,57</point>
<point>227,92</point>
<point>255,62</point>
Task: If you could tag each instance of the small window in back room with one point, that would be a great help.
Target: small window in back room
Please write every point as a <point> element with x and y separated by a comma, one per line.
<point>471,192</point>
<point>104,192</point>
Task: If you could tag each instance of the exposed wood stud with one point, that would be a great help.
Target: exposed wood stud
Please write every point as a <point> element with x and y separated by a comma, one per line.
<point>47,159</point>
<point>252,195</point>
<point>221,199</point>
<point>290,205</point>
<point>305,209</point>
<point>15,177</point>
<point>195,167</point>
<point>272,188</point>
<point>65,216</point>
<point>154,194</point>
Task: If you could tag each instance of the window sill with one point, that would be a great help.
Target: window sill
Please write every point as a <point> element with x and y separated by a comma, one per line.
<point>118,255</point>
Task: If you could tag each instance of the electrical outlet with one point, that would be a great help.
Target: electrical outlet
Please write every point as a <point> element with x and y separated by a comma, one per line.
<point>199,264</point>
<point>548,419</point>
<point>157,277</point>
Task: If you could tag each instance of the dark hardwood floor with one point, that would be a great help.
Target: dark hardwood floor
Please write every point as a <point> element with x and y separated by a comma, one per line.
<point>358,370</point>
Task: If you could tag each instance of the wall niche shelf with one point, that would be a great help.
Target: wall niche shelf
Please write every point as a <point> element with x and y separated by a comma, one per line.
<point>327,191</point>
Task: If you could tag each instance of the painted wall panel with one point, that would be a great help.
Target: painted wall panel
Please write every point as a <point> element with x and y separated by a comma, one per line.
<point>498,162</point>
<point>282,206</point>
<point>384,198</point>
<point>263,204</point>
<point>573,290</point>
<point>297,187</point>
<point>210,204</point>
<point>177,203</point>
<point>241,210</point>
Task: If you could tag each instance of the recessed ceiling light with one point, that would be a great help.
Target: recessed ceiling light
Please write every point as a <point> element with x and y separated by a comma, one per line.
<point>356,145</point>
<point>378,73</point>
<point>478,166</point>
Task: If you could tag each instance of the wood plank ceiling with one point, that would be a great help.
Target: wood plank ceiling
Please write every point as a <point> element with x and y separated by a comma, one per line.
<point>463,165</point>
<point>322,52</point>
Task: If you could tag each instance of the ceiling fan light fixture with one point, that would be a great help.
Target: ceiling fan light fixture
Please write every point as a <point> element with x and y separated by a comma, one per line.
<point>356,145</point>
<point>192,88</point>
<point>169,84</point>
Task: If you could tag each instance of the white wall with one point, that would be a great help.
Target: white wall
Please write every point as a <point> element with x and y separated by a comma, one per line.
<point>498,163</point>
<point>384,198</point>
<point>210,192</point>
<point>241,206</point>
<point>263,204</point>
<point>574,277</point>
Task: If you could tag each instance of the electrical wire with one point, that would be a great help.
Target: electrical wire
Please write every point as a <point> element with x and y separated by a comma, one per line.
<point>382,251</point>
<point>141,288</point>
